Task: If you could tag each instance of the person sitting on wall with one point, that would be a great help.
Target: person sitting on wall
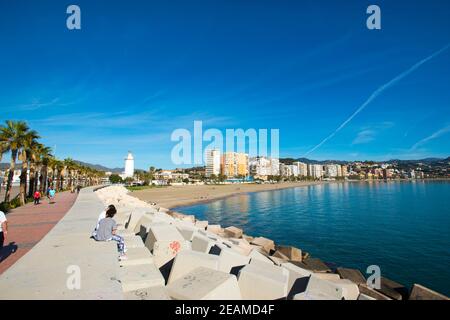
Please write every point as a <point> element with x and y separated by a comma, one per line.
<point>106,231</point>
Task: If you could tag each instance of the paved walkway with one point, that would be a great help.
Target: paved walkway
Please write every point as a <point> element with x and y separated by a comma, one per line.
<point>29,224</point>
<point>52,268</point>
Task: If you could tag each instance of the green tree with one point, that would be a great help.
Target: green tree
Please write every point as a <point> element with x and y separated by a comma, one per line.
<point>12,138</point>
<point>115,178</point>
<point>29,143</point>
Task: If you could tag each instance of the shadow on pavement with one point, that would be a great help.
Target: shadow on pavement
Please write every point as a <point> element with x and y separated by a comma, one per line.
<point>7,251</point>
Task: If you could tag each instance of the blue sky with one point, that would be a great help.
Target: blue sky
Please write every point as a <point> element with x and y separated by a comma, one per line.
<point>137,70</point>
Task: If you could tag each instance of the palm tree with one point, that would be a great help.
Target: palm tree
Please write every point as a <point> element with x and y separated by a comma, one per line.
<point>12,136</point>
<point>39,152</point>
<point>60,177</point>
<point>29,143</point>
<point>71,167</point>
<point>45,155</point>
<point>52,165</point>
<point>1,157</point>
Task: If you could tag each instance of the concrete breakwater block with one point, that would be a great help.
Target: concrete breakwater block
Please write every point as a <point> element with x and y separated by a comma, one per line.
<point>214,228</point>
<point>229,259</point>
<point>291,253</point>
<point>297,278</point>
<point>134,242</point>
<point>265,243</point>
<point>327,276</point>
<point>164,251</point>
<point>256,255</point>
<point>133,220</point>
<point>187,231</point>
<point>136,256</point>
<point>201,224</point>
<point>233,232</point>
<point>263,282</point>
<point>202,243</point>
<point>313,264</point>
<point>278,258</point>
<point>186,261</point>
<point>322,289</point>
<point>152,293</point>
<point>140,277</point>
<point>125,234</point>
<point>205,284</point>
<point>364,289</point>
<point>363,296</point>
<point>419,292</point>
<point>122,218</point>
<point>353,275</point>
<point>181,216</point>
<point>393,289</point>
<point>278,261</point>
<point>143,225</point>
<point>162,232</point>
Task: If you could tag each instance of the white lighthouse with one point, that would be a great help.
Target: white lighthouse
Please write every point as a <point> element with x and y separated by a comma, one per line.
<point>129,166</point>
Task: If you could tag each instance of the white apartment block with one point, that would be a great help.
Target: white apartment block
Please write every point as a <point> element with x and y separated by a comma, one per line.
<point>302,168</point>
<point>275,163</point>
<point>315,171</point>
<point>288,170</point>
<point>212,162</point>
<point>263,166</point>
<point>333,170</point>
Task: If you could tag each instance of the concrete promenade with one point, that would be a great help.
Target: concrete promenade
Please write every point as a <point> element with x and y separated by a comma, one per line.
<point>53,263</point>
<point>29,224</point>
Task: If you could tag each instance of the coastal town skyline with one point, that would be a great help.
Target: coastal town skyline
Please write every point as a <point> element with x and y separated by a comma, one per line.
<point>107,94</point>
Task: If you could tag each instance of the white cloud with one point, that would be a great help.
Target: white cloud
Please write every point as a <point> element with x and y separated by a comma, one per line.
<point>376,93</point>
<point>364,136</point>
<point>433,136</point>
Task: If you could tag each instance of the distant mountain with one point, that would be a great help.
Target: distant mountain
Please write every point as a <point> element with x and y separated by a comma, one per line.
<point>429,161</point>
<point>425,160</point>
<point>311,161</point>
<point>100,167</point>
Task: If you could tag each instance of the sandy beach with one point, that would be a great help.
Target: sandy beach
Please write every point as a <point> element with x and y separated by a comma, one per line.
<point>175,196</point>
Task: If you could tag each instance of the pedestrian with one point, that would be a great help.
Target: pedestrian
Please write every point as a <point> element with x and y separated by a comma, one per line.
<point>78,189</point>
<point>37,197</point>
<point>3,229</point>
<point>51,195</point>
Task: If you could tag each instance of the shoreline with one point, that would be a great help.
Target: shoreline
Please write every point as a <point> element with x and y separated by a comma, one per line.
<point>173,197</point>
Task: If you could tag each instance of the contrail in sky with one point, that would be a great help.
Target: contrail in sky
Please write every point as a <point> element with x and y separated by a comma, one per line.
<point>376,93</point>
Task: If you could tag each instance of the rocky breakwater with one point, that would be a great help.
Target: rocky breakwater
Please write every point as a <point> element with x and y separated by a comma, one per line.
<point>175,256</point>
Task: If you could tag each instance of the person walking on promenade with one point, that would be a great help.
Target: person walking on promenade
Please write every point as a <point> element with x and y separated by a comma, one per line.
<point>37,197</point>
<point>51,195</point>
<point>106,231</point>
<point>3,229</point>
<point>78,189</point>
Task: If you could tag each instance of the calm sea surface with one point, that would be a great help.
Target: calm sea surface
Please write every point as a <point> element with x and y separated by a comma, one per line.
<point>403,227</point>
